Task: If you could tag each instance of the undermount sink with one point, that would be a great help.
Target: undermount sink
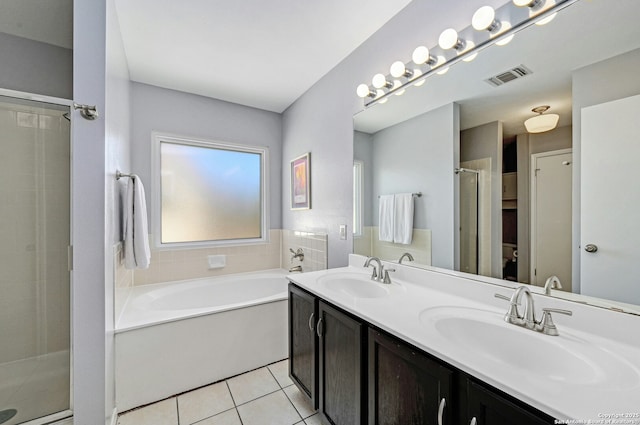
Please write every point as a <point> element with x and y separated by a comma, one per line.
<point>355,285</point>
<point>485,336</point>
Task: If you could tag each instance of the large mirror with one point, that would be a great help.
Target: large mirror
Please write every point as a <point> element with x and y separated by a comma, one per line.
<point>497,200</point>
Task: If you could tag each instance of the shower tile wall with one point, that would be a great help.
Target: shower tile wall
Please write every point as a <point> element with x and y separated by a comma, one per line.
<point>313,244</point>
<point>34,280</point>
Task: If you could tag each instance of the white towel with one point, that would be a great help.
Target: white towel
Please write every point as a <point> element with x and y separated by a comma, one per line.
<point>137,253</point>
<point>386,218</point>
<point>403,218</point>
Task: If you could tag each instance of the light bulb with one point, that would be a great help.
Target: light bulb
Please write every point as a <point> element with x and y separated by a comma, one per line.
<point>379,81</point>
<point>398,70</point>
<point>470,45</point>
<point>379,94</point>
<point>485,19</point>
<point>449,40</point>
<point>504,26</point>
<point>396,85</point>
<point>441,61</point>
<point>363,90</point>
<point>547,5</point>
<point>523,3</point>
<point>416,74</point>
<point>420,55</point>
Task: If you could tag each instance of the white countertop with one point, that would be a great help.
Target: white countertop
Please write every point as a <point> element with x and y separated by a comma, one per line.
<point>605,334</point>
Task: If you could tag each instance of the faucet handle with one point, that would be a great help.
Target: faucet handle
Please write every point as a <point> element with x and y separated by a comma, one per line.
<point>512,316</point>
<point>546,325</point>
<point>387,279</point>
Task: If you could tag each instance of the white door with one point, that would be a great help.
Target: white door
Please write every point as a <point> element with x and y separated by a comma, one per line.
<point>610,200</point>
<point>551,217</point>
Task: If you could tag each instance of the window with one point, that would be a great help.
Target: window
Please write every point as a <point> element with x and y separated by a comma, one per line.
<point>208,193</point>
<point>358,189</point>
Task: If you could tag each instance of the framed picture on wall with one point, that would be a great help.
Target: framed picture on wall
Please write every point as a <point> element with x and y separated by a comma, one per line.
<point>301,182</point>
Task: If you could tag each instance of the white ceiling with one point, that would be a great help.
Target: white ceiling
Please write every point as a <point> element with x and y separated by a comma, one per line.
<point>258,53</point>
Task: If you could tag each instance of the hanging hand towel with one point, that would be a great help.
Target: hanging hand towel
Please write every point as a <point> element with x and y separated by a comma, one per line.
<point>403,218</point>
<point>137,253</point>
<point>385,210</point>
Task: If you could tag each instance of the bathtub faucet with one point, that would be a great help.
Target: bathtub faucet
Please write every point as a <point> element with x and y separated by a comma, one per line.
<point>295,269</point>
<point>297,254</point>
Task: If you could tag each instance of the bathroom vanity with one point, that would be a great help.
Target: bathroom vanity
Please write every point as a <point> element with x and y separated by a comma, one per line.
<point>433,347</point>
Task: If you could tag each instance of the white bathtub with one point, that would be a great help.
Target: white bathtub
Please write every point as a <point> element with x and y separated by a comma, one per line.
<point>176,336</point>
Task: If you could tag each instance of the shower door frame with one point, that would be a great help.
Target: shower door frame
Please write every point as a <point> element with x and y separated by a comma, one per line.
<point>68,103</point>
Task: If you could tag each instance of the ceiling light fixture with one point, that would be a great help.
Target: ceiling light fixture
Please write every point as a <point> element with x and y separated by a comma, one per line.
<point>501,32</point>
<point>541,122</point>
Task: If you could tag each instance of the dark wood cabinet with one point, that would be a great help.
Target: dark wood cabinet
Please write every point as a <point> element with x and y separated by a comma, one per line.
<point>356,374</point>
<point>486,407</point>
<point>341,366</point>
<point>303,342</point>
<point>406,387</point>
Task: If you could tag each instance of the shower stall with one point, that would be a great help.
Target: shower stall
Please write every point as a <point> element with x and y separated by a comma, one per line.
<point>35,230</point>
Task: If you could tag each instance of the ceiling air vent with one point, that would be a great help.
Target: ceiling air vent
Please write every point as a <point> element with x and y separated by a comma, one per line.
<point>510,75</point>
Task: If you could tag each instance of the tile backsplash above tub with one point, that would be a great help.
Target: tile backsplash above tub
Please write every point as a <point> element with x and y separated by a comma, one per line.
<point>183,264</point>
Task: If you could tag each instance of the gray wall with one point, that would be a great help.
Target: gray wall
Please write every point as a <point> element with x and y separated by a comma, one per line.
<point>321,120</point>
<point>35,67</point>
<point>611,79</point>
<point>417,155</point>
<point>485,141</point>
<point>170,111</point>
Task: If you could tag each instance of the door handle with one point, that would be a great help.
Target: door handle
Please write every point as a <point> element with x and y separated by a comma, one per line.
<point>311,322</point>
<point>591,248</point>
<point>319,328</point>
<point>443,403</point>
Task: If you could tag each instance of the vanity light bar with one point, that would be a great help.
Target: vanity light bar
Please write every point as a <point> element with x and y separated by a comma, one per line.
<point>385,85</point>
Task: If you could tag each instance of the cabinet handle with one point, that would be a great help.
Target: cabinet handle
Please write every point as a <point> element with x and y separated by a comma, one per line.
<point>443,403</point>
<point>311,322</point>
<point>319,328</point>
<point>473,421</point>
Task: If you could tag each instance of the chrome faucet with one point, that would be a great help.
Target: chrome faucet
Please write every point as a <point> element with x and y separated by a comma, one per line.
<point>528,318</point>
<point>552,283</point>
<point>406,255</point>
<point>295,269</point>
<point>379,274</point>
<point>376,271</point>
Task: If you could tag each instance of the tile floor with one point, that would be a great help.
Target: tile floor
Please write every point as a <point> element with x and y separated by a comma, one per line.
<point>264,396</point>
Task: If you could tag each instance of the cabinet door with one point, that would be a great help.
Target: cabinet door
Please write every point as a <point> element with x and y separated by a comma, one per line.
<point>489,408</point>
<point>405,386</point>
<point>303,342</point>
<point>341,367</point>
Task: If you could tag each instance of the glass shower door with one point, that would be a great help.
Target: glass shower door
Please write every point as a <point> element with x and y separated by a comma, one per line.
<point>34,275</point>
<point>468,222</point>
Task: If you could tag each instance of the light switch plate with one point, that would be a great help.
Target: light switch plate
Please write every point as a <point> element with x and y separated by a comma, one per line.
<point>343,232</point>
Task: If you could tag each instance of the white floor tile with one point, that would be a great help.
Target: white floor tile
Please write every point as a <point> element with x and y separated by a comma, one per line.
<point>162,413</point>
<point>252,385</point>
<point>204,402</point>
<point>313,420</point>
<point>281,371</point>
<point>272,409</point>
<point>230,417</point>
<point>300,401</point>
